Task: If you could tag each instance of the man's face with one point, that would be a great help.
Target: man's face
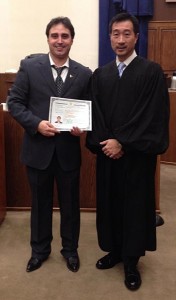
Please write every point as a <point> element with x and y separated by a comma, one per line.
<point>59,41</point>
<point>123,39</point>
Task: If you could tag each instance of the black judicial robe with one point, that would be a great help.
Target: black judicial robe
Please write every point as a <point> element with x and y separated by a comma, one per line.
<point>133,109</point>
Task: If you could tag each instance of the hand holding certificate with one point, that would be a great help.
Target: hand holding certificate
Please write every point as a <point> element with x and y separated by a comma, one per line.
<point>65,114</point>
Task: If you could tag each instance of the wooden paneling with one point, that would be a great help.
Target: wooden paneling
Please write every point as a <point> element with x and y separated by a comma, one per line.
<point>17,188</point>
<point>2,171</point>
<point>152,33</point>
<point>161,44</point>
<point>170,155</point>
<point>157,186</point>
<point>6,81</point>
<point>162,49</point>
<point>164,11</point>
<point>168,49</point>
<point>88,177</point>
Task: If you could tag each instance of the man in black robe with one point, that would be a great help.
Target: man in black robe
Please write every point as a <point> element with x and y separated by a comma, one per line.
<point>130,128</point>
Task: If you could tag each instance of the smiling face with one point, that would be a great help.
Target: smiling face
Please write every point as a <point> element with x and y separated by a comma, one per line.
<point>123,39</point>
<point>60,42</point>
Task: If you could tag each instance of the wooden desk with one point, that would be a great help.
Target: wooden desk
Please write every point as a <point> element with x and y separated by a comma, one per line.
<point>6,81</point>
<point>170,155</point>
<point>2,171</point>
<point>157,186</point>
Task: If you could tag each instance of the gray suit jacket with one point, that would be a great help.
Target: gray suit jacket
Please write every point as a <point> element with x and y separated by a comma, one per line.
<point>29,103</point>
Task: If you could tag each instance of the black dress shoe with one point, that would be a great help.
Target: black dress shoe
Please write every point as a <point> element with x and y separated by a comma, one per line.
<point>73,263</point>
<point>34,264</point>
<point>108,261</point>
<point>132,278</point>
<point>159,220</point>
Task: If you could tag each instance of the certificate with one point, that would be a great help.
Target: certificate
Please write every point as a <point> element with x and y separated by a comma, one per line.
<point>66,113</point>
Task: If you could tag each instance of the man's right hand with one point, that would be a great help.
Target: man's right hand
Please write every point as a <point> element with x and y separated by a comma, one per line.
<point>112,148</point>
<point>47,129</point>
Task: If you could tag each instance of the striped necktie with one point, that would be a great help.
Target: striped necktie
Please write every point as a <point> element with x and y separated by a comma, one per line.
<point>121,67</point>
<point>59,82</point>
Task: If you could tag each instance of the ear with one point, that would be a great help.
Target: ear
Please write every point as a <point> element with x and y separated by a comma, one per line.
<point>137,36</point>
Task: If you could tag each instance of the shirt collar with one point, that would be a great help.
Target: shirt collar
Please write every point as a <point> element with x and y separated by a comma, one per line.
<point>128,60</point>
<point>66,64</point>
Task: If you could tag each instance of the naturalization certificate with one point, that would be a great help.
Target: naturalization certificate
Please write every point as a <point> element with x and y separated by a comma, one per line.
<point>66,113</point>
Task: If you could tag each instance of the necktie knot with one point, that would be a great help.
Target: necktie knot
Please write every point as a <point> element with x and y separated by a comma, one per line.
<point>121,67</point>
<point>58,70</point>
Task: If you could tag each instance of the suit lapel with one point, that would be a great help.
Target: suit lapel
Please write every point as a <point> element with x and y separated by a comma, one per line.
<point>71,76</point>
<point>45,70</point>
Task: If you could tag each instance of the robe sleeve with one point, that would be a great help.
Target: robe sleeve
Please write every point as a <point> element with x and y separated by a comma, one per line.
<point>99,131</point>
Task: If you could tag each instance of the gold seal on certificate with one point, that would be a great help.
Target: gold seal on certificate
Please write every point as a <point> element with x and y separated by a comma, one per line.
<point>66,113</point>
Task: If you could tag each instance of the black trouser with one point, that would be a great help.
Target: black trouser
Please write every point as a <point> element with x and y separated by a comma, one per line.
<point>42,183</point>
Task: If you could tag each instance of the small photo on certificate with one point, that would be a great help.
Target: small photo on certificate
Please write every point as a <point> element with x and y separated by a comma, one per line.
<point>65,114</point>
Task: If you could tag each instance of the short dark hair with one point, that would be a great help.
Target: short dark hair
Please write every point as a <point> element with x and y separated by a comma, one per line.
<point>63,20</point>
<point>125,17</point>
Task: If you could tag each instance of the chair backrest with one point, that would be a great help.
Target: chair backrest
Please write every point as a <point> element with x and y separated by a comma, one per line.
<point>34,55</point>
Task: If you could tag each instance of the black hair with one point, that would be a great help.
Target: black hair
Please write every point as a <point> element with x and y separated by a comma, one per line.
<point>63,20</point>
<point>125,17</point>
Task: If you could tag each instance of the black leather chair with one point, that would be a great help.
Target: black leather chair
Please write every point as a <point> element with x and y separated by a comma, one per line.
<point>34,55</point>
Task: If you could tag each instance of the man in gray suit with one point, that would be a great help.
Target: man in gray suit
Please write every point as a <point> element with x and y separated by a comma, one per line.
<point>47,153</point>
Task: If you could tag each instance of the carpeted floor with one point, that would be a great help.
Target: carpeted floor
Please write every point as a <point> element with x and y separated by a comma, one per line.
<point>53,281</point>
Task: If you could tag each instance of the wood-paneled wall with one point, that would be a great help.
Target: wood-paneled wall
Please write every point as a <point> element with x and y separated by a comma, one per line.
<point>162,49</point>
<point>170,155</point>
<point>2,170</point>
<point>161,44</point>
